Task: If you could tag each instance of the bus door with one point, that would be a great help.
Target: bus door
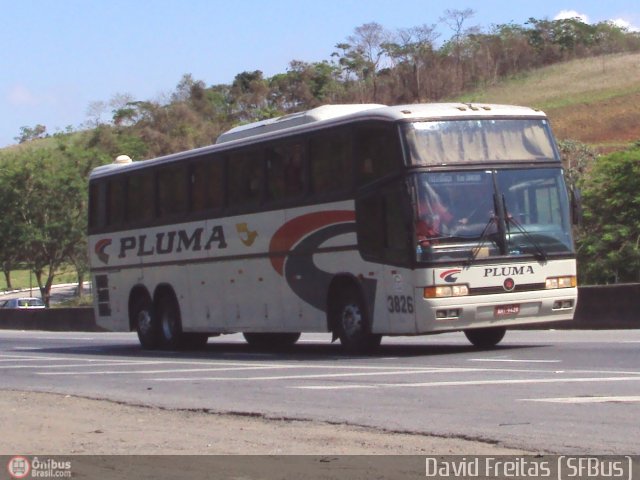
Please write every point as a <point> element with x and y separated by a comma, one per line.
<point>383,222</point>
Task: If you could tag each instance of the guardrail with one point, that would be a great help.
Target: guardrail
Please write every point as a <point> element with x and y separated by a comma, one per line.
<point>605,307</point>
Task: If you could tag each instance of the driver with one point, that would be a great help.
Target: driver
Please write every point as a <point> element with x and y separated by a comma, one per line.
<point>432,216</point>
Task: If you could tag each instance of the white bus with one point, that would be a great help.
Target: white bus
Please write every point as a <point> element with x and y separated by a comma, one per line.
<point>360,220</point>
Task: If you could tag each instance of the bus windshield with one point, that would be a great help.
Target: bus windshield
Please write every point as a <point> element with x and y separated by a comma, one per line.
<point>483,140</point>
<point>487,213</point>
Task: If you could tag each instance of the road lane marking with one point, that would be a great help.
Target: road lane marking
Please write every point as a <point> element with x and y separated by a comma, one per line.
<point>78,365</point>
<point>579,400</point>
<point>315,376</point>
<point>152,372</point>
<point>511,360</point>
<point>62,338</point>
<point>471,383</point>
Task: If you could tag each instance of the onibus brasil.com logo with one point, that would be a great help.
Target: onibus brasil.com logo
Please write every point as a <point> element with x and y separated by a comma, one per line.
<point>22,467</point>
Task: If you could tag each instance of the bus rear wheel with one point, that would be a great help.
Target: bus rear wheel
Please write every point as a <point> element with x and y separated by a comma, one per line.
<point>485,337</point>
<point>170,323</point>
<point>145,323</point>
<point>271,340</point>
<point>352,324</point>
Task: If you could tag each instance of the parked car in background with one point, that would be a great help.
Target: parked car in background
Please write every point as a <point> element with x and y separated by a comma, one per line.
<point>24,302</point>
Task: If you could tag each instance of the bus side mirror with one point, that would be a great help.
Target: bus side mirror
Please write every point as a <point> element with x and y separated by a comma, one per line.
<point>576,206</point>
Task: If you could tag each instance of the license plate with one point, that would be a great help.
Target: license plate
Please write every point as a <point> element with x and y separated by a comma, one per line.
<point>505,310</point>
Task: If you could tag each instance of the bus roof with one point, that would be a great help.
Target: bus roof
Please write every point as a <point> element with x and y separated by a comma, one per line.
<point>325,112</point>
<point>429,111</point>
<point>330,114</point>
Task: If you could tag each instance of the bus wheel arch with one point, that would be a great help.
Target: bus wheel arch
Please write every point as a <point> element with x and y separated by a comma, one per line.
<point>348,315</point>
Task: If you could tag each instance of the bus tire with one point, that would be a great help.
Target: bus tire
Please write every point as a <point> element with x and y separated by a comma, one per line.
<point>169,322</point>
<point>145,323</point>
<point>352,323</point>
<point>271,341</point>
<point>485,337</point>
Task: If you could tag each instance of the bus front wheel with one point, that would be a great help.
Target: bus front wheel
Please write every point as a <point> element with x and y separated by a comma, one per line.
<point>352,324</point>
<point>485,337</point>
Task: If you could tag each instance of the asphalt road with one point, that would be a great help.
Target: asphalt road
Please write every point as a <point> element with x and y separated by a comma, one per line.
<point>570,392</point>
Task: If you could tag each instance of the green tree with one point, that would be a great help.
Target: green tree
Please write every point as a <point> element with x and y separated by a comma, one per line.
<point>48,191</point>
<point>10,231</point>
<point>609,244</point>
<point>28,133</point>
<point>249,93</point>
<point>577,159</point>
<point>413,55</point>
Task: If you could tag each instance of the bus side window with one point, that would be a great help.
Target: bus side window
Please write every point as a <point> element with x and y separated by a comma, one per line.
<point>245,178</point>
<point>207,184</point>
<point>97,205</point>
<point>116,190</point>
<point>381,220</point>
<point>172,190</point>
<point>285,171</point>
<point>378,151</point>
<point>140,197</point>
<point>330,162</point>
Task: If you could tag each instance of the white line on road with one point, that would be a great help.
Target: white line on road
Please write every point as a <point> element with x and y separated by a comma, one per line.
<point>512,360</point>
<point>468,383</point>
<point>320,375</point>
<point>577,400</point>
<point>152,372</point>
<point>61,338</point>
<point>79,365</point>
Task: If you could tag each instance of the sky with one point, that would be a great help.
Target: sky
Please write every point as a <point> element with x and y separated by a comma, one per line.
<point>58,57</point>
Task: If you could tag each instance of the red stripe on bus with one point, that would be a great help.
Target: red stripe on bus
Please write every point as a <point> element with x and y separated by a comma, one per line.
<point>294,230</point>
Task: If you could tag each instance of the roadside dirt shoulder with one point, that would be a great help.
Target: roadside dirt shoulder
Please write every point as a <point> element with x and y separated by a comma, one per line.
<point>55,424</point>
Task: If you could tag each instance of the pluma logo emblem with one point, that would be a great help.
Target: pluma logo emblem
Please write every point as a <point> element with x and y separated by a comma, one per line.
<point>450,276</point>
<point>100,248</point>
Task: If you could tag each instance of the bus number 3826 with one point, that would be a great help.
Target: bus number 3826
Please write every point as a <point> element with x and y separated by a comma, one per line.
<point>400,304</point>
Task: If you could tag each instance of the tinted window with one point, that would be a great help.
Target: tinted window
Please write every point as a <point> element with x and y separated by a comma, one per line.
<point>97,205</point>
<point>116,191</point>
<point>378,151</point>
<point>207,184</point>
<point>330,162</point>
<point>285,171</point>
<point>140,197</point>
<point>245,178</point>
<point>172,190</point>
<point>382,224</point>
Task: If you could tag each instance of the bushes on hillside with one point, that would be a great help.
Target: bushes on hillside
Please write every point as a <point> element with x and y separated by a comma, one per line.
<point>609,240</point>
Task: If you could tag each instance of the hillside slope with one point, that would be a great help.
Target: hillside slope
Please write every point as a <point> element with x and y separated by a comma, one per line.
<point>594,100</point>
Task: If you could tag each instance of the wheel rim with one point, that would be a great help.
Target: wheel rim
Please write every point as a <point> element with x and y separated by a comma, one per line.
<point>144,322</point>
<point>168,325</point>
<point>351,319</point>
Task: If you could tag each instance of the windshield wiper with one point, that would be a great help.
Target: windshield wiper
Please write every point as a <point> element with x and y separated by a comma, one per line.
<point>540,255</point>
<point>482,240</point>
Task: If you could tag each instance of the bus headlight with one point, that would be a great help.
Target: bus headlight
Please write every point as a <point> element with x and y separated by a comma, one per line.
<point>561,282</point>
<point>446,291</point>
